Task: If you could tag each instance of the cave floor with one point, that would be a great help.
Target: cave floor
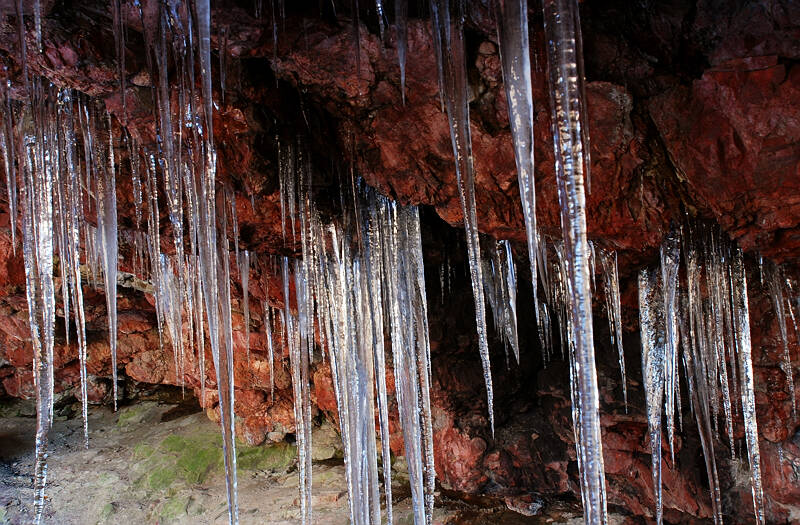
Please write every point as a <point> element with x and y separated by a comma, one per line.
<point>158,463</point>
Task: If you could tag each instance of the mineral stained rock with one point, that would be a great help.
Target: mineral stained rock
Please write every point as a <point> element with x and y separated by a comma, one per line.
<point>694,111</point>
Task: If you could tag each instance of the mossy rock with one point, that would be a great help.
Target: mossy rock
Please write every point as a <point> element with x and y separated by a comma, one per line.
<point>162,477</point>
<point>133,414</point>
<point>277,457</point>
<point>195,465</point>
<point>174,508</point>
<point>143,451</point>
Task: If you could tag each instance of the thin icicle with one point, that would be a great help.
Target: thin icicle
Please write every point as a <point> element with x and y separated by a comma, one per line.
<point>450,32</point>
<point>9,162</point>
<point>698,392</point>
<point>292,335</point>
<point>244,274</point>
<point>775,283</point>
<point>270,349</point>
<point>741,313</point>
<point>608,262</point>
<point>401,25</point>
<point>118,24</point>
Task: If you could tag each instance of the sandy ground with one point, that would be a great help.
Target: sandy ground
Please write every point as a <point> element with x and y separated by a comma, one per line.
<point>159,463</point>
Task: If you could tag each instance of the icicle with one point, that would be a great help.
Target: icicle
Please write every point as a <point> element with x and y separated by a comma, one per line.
<point>670,261</point>
<point>651,320</point>
<point>775,283</point>
<point>9,162</point>
<point>292,334</point>
<point>39,168</point>
<point>375,277</point>
<point>223,362</point>
<point>608,261</point>
<point>119,41</point>
<point>270,349</point>
<point>23,47</point>
<point>512,29</point>
<point>107,233</point>
<point>37,24</point>
<point>379,11</point>
<point>699,391</point>
<point>741,315</point>
<point>567,104</point>
<point>401,25</point>
<point>73,217</point>
<point>244,273</point>
<point>453,65</point>
<point>356,41</point>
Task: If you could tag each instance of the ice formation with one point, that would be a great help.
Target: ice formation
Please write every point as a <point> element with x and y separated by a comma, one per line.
<point>362,275</point>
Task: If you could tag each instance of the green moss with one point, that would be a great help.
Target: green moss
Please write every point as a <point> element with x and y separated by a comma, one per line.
<point>162,477</point>
<point>143,451</point>
<point>194,465</point>
<point>174,443</point>
<point>276,457</point>
<point>174,508</point>
<point>132,414</point>
<point>107,511</point>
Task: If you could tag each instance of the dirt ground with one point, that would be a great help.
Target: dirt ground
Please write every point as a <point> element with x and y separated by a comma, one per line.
<point>159,462</point>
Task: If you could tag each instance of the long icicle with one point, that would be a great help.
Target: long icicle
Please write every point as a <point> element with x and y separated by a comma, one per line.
<point>107,231</point>
<point>567,105</point>
<point>452,63</point>
<point>512,29</point>
<point>651,321</point>
<point>741,313</point>
<point>37,242</point>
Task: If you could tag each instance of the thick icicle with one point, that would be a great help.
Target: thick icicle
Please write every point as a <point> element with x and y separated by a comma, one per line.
<point>670,261</point>
<point>37,242</point>
<point>741,315</point>
<point>567,104</point>
<point>107,233</point>
<point>512,29</point>
<point>651,321</point>
<point>452,62</point>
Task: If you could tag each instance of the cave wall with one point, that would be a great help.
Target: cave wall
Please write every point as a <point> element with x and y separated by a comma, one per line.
<point>694,114</point>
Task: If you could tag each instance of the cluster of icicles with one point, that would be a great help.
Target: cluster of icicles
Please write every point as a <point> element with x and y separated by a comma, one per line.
<point>362,276</point>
